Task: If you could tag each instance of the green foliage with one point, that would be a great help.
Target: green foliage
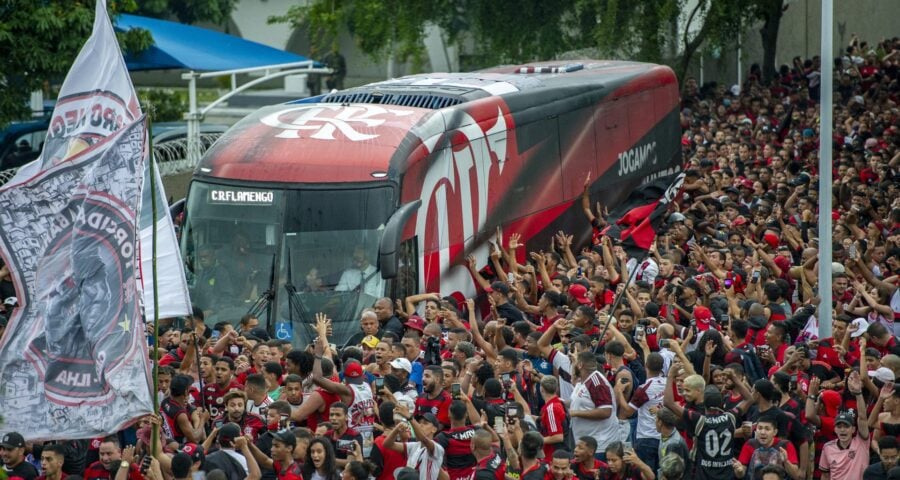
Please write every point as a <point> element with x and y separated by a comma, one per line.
<point>512,31</point>
<point>188,11</point>
<point>39,39</point>
<point>163,105</point>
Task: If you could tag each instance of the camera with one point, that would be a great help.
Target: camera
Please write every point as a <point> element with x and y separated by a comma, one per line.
<point>512,412</point>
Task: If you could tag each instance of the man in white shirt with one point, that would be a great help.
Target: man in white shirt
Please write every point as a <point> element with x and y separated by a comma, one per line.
<point>592,407</point>
<point>426,455</point>
<point>645,400</point>
<point>362,271</point>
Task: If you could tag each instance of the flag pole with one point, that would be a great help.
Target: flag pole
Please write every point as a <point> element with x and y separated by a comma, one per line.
<point>153,394</point>
<point>619,298</point>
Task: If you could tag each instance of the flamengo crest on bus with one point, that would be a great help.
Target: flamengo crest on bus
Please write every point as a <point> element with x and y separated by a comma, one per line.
<point>321,122</point>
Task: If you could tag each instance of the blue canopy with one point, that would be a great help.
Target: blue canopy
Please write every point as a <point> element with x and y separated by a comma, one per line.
<point>181,46</point>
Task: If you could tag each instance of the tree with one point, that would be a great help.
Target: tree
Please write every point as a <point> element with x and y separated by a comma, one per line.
<point>503,31</point>
<point>39,40</point>
<point>188,11</point>
<point>770,12</point>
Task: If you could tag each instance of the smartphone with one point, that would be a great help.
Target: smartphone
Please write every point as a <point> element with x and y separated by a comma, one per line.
<point>455,390</point>
<point>285,422</point>
<point>145,464</point>
<point>216,335</point>
<point>379,384</point>
<point>499,426</point>
<point>755,277</point>
<point>664,343</point>
<point>219,424</point>
<point>512,410</point>
<point>851,252</point>
<point>639,332</point>
<point>505,378</point>
<point>728,283</point>
<point>726,319</point>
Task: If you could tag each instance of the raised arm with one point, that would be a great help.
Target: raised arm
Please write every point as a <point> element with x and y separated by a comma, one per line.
<point>854,385</point>
<point>339,389</point>
<point>472,265</point>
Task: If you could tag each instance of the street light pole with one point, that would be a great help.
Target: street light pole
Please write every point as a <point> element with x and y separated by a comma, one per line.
<point>825,165</point>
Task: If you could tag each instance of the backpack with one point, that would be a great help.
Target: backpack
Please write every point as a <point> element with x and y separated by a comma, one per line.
<point>763,457</point>
<point>568,437</point>
<point>753,368</point>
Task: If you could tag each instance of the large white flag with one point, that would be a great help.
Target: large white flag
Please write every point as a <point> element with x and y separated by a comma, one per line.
<point>73,359</point>
<point>97,99</point>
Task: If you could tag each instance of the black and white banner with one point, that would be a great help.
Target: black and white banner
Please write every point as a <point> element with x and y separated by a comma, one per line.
<point>73,360</point>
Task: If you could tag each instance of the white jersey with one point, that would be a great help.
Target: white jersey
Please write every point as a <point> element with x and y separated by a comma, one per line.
<point>595,392</point>
<point>647,396</point>
<point>363,414</point>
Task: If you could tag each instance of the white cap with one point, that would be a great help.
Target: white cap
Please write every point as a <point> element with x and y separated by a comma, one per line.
<point>13,301</point>
<point>882,373</point>
<point>402,364</point>
<point>837,268</point>
<point>861,326</point>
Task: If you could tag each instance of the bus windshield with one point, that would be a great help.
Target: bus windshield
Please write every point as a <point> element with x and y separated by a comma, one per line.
<point>314,250</point>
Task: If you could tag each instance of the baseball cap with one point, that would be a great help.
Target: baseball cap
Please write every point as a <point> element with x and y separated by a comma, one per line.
<point>430,418</point>
<point>579,293</point>
<point>370,341</point>
<point>500,287</point>
<point>738,221</point>
<point>883,374</point>
<point>229,432</point>
<point>401,364</point>
<point>702,315</point>
<point>837,268</point>
<point>11,301</point>
<point>12,440</point>
<point>260,333</point>
<point>746,183</point>
<point>416,323</point>
<point>771,239</point>
<point>194,451</point>
<point>845,417</point>
<point>861,326</point>
<point>676,217</point>
<point>353,370</point>
<point>286,437</point>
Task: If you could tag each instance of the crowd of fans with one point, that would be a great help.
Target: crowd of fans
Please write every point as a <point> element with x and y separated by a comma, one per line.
<point>702,360</point>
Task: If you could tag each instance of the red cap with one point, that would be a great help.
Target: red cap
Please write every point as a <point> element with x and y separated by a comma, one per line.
<point>415,322</point>
<point>353,370</point>
<point>685,141</point>
<point>738,221</point>
<point>747,183</point>
<point>771,239</point>
<point>579,293</point>
<point>194,451</point>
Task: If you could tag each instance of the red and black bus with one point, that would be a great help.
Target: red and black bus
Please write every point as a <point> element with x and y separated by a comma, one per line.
<point>327,203</point>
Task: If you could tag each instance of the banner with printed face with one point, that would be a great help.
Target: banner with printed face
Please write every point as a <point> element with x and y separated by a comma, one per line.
<point>73,360</point>
<point>97,99</point>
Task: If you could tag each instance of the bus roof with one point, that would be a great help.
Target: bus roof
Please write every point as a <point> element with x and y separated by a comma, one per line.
<point>352,135</point>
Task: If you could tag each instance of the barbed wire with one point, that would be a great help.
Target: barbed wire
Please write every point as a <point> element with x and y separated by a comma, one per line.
<point>171,156</point>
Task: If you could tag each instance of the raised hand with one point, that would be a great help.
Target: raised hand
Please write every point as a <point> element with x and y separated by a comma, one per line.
<point>514,240</point>
<point>472,262</point>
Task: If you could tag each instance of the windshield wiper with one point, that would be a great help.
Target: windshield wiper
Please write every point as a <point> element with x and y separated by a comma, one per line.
<point>295,306</point>
<point>264,300</point>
